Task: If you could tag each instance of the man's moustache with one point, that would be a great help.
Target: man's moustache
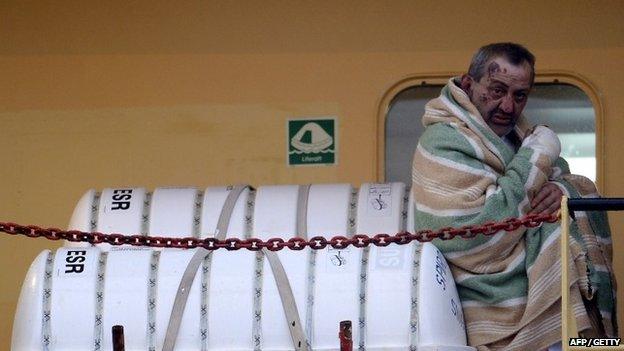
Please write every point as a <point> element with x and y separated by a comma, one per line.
<point>501,114</point>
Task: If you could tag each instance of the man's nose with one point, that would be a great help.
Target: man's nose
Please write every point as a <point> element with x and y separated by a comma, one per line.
<point>507,104</point>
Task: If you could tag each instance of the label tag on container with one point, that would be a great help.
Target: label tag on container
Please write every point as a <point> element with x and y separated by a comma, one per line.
<point>379,200</point>
<point>339,260</point>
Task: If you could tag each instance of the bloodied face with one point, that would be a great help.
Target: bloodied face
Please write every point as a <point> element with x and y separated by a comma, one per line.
<point>501,93</point>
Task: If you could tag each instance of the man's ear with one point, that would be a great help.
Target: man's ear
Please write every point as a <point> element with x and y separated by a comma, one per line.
<point>466,83</point>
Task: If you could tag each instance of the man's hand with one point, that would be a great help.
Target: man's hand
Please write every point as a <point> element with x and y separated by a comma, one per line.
<point>547,200</point>
<point>543,140</point>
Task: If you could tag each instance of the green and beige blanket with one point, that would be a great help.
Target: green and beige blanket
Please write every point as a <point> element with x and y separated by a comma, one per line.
<point>509,283</point>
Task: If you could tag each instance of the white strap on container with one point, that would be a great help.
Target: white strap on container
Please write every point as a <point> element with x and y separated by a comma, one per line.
<point>281,280</point>
<point>288,301</point>
<point>302,210</point>
<point>191,269</point>
<point>181,297</point>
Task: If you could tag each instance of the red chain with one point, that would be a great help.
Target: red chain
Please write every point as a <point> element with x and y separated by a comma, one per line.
<point>276,244</point>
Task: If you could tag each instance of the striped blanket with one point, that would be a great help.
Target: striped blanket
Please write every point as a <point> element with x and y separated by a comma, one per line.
<point>509,283</point>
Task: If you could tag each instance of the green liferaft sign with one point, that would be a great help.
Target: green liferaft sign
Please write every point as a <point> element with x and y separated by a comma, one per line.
<point>312,141</point>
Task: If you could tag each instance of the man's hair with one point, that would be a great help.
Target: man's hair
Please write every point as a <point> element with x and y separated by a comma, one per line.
<point>516,54</point>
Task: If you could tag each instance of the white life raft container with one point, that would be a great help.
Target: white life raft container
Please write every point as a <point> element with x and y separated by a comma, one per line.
<point>399,297</point>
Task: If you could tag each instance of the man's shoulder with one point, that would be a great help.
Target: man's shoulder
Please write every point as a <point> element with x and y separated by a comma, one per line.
<point>441,134</point>
<point>437,129</point>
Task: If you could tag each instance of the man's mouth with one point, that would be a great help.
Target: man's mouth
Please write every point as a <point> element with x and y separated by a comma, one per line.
<point>500,118</point>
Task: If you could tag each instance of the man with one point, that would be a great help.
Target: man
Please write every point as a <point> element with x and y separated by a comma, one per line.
<point>478,161</point>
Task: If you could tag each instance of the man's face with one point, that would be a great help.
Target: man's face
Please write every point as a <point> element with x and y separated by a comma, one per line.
<point>501,93</point>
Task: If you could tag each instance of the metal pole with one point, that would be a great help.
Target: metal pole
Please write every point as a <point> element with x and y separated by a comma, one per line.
<point>118,338</point>
<point>568,321</point>
<point>346,341</point>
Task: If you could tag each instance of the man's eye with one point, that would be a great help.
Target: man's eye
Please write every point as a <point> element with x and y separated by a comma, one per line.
<point>521,97</point>
<point>498,92</point>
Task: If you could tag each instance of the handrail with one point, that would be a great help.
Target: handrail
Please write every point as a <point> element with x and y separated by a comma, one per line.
<point>596,204</point>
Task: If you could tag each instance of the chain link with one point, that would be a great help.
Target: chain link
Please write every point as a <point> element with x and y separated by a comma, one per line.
<point>276,244</point>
